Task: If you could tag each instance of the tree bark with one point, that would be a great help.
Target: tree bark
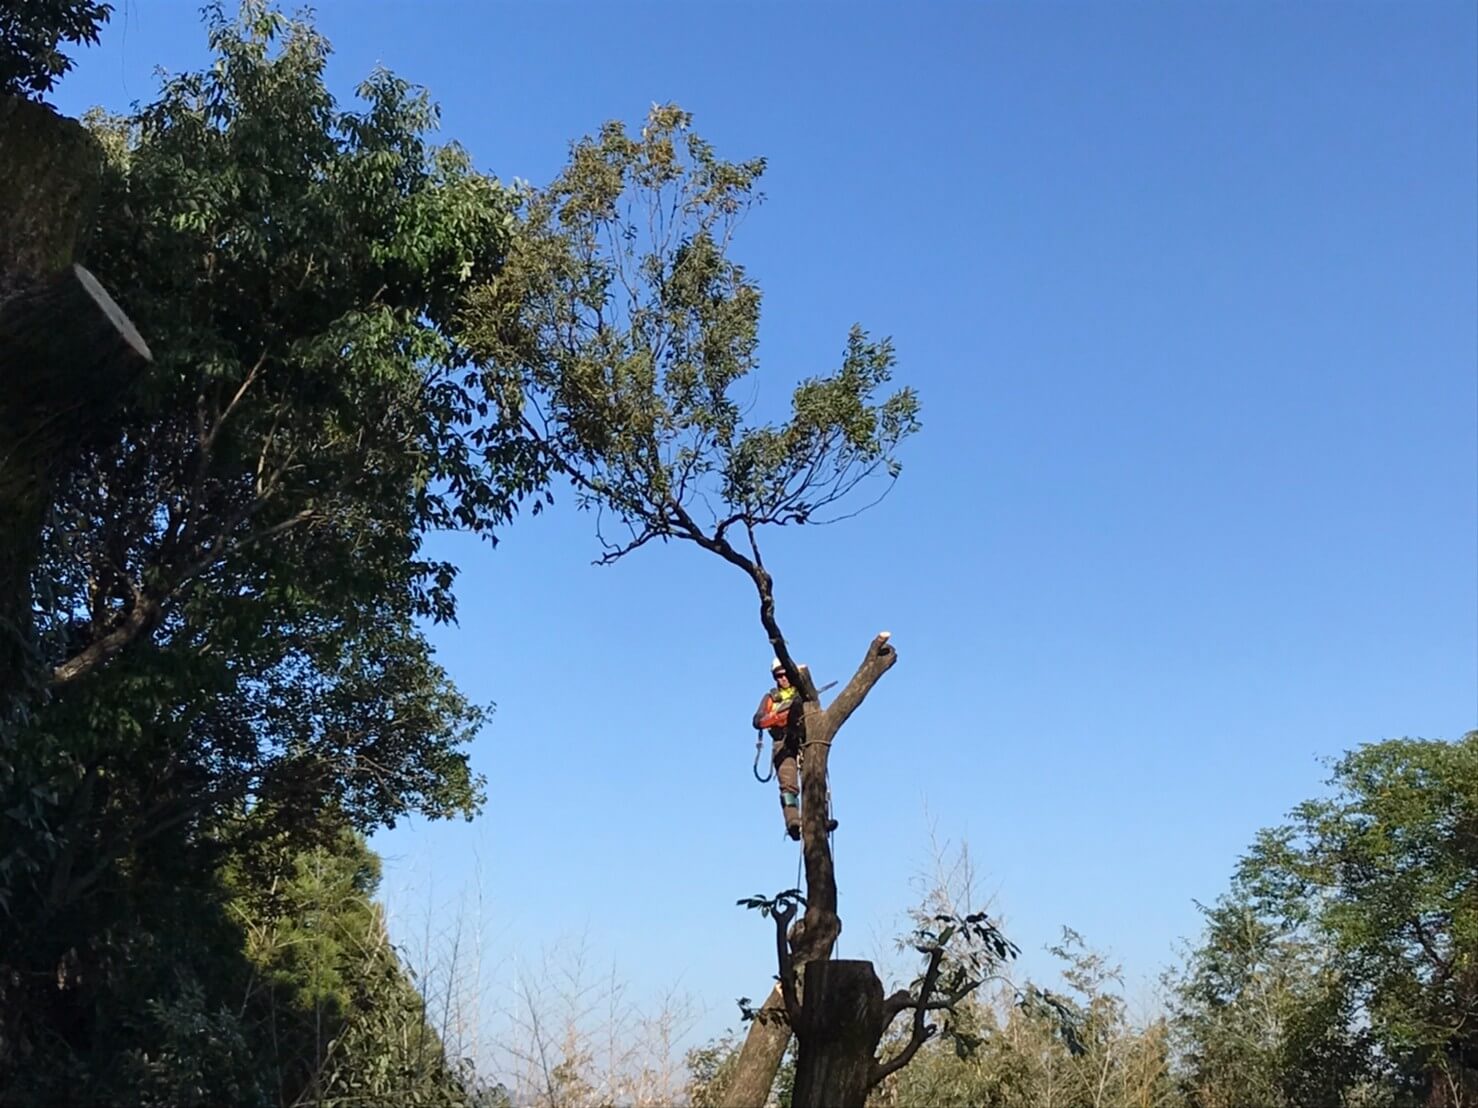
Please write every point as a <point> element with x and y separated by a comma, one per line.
<point>841,1025</point>
<point>761,1055</point>
<point>819,928</point>
<point>53,168</point>
<point>813,936</point>
<point>67,352</point>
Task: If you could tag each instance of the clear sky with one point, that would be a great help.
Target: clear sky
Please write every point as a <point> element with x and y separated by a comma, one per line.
<point>1189,295</point>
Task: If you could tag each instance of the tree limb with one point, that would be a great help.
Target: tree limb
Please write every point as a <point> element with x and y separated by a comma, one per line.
<point>142,616</point>
<point>903,1001</point>
<point>209,439</point>
<point>1444,966</point>
<point>922,1032</point>
<point>787,966</point>
<point>877,661</point>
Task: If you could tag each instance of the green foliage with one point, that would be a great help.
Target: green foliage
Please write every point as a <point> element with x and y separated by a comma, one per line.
<point>1385,873</point>
<point>31,32</point>
<point>711,1067</point>
<point>961,953</point>
<point>1261,1016</point>
<point>620,328</point>
<point>268,981</point>
<point>139,1004</point>
<point>230,590</point>
<point>1342,968</point>
<point>782,903</point>
<point>1081,1050</point>
<point>348,1026</point>
<point>188,1053</point>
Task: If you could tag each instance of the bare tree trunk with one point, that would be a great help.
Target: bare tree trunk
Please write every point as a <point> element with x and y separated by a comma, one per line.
<point>812,937</point>
<point>52,170</point>
<point>841,1026</point>
<point>761,1055</point>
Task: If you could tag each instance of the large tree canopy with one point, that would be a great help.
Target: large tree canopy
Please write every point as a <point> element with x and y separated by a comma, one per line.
<point>1385,871</point>
<point>229,590</point>
<point>1342,967</point>
<point>620,331</point>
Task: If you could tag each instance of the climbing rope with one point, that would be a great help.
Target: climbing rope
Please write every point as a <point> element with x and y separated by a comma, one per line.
<point>831,842</point>
<point>759,745</point>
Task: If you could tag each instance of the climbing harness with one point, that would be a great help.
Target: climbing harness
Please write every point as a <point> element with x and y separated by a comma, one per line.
<point>759,746</point>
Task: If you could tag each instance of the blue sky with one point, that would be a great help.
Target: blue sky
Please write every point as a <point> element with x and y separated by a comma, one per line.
<point>1189,295</point>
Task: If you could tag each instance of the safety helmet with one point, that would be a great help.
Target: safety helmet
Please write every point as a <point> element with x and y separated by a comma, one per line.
<point>775,665</point>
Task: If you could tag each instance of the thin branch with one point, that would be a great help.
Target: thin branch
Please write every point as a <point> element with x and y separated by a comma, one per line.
<point>737,517</point>
<point>209,440</point>
<point>949,1000</point>
<point>853,515</point>
<point>615,551</point>
<point>1443,965</point>
<point>219,545</point>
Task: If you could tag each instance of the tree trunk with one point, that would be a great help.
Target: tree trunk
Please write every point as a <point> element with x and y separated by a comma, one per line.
<point>841,1025</point>
<point>812,937</point>
<point>67,351</point>
<point>67,355</point>
<point>760,1057</point>
<point>52,172</point>
<point>814,934</point>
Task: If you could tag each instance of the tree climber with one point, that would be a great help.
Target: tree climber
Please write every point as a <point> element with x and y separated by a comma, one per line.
<point>774,714</point>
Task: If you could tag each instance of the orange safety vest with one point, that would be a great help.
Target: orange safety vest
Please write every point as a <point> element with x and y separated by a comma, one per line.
<point>777,707</point>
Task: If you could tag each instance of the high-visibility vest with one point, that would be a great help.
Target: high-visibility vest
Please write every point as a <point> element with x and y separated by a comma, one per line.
<point>776,702</point>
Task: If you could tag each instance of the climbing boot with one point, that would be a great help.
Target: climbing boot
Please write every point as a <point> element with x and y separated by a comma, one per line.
<point>790,808</point>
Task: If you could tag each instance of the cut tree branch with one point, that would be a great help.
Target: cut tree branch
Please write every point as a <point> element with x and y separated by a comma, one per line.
<point>878,660</point>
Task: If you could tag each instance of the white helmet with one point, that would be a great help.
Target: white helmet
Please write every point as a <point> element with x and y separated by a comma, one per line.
<point>775,666</point>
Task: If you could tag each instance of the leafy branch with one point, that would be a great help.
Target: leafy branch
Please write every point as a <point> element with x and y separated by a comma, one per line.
<point>961,952</point>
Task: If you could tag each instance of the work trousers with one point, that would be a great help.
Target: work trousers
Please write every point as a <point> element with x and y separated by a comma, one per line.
<point>785,756</point>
